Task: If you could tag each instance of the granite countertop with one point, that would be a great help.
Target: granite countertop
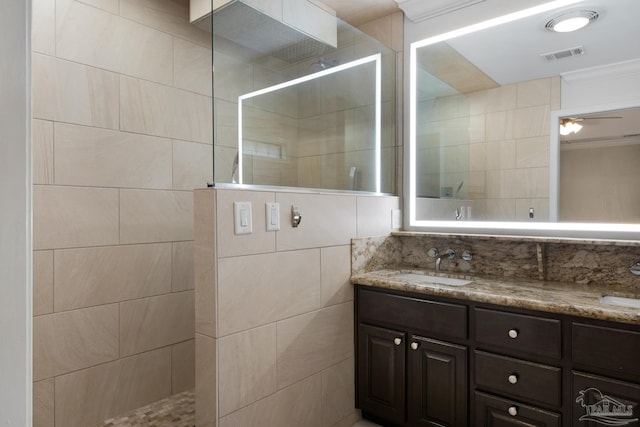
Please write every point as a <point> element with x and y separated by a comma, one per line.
<point>555,297</point>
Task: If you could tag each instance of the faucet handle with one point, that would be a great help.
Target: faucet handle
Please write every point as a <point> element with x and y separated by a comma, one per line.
<point>449,254</point>
<point>433,253</point>
<point>467,255</point>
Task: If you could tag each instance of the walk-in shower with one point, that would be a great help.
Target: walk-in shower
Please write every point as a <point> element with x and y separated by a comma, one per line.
<point>299,106</point>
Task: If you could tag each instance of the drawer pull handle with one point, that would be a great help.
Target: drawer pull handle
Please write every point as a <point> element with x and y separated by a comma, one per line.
<point>513,378</point>
<point>513,411</point>
<point>513,333</point>
<point>414,346</point>
<point>397,341</point>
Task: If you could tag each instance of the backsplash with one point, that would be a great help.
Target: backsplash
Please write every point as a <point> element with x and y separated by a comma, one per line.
<point>588,262</point>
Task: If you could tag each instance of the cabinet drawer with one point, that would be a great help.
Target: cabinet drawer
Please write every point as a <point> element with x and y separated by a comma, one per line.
<point>615,350</point>
<point>517,333</point>
<point>612,402</point>
<point>494,411</point>
<point>517,378</point>
<point>426,317</point>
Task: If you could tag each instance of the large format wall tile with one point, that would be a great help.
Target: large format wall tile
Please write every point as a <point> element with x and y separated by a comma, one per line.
<point>206,384</point>
<point>107,158</point>
<point>42,160</point>
<point>65,342</point>
<point>260,240</point>
<point>257,290</point>
<point>42,282</point>
<point>182,266</point>
<point>205,261</point>
<point>183,368</point>
<point>155,109</point>
<point>374,215</point>
<point>67,217</point>
<point>192,67</point>
<point>89,396</point>
<point>68,92</point>
<point>314,341</point>
<point>43,26</point>
<point>93,276</point>
<point>167,16</point>
<point>531,121</point>
<point>155,322</point>
<point>298,405</point>
<point>335,273</point>
<point>155,216</point>
<point>192,165</point>
<point>43,404</point>
<point>327,220</point>
<point>94,37</point>
<point>338,384</point>
<point>247,366</point>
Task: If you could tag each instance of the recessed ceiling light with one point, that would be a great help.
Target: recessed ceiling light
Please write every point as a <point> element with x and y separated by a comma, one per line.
<point>571,21</point>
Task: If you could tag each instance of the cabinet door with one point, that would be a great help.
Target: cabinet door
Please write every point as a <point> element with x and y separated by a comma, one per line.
<point>437,383</point>
<point>381,372</point>
<point>604,401</point>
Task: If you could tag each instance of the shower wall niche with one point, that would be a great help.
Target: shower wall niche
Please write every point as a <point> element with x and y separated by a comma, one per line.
<point>293,111</point>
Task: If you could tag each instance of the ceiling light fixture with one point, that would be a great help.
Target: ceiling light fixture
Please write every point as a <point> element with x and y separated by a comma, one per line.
<point>569,126</point>
<point>571,21</point>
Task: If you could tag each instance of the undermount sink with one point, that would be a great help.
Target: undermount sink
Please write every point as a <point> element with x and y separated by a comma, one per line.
<point>424,279</point>
<point>620,301</point>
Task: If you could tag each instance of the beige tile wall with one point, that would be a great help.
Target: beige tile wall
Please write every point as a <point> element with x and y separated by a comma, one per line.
<point>122,134</point>
<point>275,309</point>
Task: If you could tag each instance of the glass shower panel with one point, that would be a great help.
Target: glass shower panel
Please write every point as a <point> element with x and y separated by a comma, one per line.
<point>317,131</point>
<point>326,121</point>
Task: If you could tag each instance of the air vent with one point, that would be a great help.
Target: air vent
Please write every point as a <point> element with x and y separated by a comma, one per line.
<point>562,54</point>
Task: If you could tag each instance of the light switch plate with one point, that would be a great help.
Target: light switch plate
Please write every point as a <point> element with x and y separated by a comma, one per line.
<point>396,219</point>
<point>272,215</point>
<point>242,221</point>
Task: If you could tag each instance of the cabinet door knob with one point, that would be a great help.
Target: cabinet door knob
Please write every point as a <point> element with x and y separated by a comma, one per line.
<point>513,411</point>
<point>513,333</point>
<point>414,346</point>
<point>513,378</point>
<point>397,341</point>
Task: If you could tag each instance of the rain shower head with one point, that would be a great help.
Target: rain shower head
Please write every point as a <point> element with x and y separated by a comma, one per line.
<point>249,27</point>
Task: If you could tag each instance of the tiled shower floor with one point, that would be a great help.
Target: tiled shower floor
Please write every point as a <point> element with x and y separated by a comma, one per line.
<point>174,411</point>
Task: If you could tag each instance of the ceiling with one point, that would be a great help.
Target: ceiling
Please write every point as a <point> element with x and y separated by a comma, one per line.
<point>512,52</point>
<point>358,12</point>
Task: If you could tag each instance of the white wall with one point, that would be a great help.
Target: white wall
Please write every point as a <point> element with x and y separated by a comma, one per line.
<point>15,214</point>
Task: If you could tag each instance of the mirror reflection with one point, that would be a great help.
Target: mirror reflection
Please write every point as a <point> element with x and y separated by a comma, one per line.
<point>484,147</point>
<point>600,167</point>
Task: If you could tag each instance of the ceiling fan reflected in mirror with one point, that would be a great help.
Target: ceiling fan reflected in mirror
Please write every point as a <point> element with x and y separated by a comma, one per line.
<point>569,125</point>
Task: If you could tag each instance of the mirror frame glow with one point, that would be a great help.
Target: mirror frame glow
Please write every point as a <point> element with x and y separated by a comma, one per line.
<point>546,229</point>
<point>377,59</point>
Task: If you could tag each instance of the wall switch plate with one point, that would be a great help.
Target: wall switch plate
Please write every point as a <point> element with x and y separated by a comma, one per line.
<point>242,221</point>
<point>272,214</point>
<point>396,219</point>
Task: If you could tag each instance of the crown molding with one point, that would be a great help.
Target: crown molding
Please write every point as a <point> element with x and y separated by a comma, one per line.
<point>421,10</point>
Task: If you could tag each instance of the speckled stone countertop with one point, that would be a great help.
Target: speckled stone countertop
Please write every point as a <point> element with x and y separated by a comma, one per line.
<point>555,297</point>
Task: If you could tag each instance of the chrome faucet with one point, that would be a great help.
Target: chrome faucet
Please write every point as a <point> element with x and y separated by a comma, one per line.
<point>434,253</point>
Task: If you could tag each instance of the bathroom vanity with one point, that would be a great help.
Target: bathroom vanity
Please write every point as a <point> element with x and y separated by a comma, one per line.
<point>493,352</point>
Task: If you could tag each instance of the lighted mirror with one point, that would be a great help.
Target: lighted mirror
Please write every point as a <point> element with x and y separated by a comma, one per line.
<point>486,106</point>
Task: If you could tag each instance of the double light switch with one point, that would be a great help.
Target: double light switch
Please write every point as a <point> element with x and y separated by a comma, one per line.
<point>243,221</point>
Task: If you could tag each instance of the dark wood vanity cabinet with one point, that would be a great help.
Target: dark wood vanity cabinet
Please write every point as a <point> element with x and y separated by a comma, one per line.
<point>407,373</point>
<point>428,361</point>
